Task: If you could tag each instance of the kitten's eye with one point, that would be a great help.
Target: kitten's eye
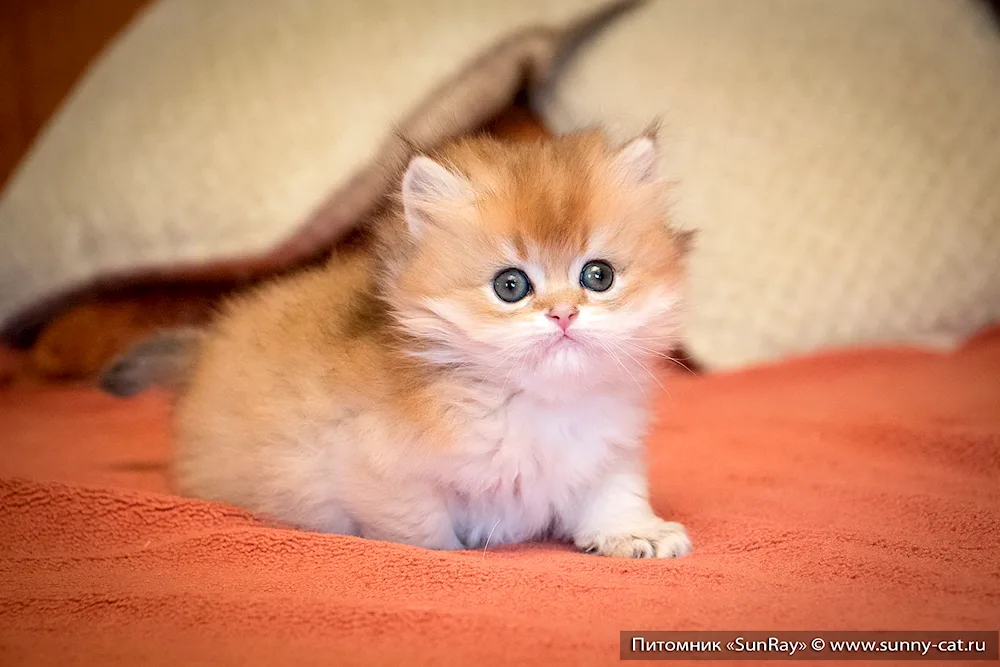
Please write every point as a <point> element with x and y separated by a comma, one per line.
<point>511,285</point>
<point>597,276</point>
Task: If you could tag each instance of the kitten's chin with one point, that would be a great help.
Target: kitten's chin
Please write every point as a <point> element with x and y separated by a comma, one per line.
<point>565,367</point>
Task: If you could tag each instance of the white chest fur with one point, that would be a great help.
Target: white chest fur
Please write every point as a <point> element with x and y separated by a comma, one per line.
<point>527,465</point>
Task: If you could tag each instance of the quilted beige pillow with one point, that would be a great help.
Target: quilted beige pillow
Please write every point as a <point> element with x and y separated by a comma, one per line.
<point>233,136</point>
<point>842,158</point>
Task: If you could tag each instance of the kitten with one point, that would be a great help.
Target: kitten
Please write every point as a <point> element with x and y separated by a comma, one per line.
<point>475,372</point>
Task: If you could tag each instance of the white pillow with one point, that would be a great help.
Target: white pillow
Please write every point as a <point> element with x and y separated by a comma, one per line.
<point>842,158</point>
<point>227,137</point>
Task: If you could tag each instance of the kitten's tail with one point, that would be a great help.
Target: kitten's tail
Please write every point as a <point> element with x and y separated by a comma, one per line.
<point>164,359</point>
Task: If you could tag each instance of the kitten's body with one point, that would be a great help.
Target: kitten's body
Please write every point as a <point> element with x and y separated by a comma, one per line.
<point>381,395</point>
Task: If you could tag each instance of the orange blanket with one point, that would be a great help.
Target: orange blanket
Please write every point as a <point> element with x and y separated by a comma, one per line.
<point>858,490</point>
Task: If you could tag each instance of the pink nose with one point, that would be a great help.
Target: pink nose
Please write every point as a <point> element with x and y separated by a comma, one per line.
<point>563,314</point>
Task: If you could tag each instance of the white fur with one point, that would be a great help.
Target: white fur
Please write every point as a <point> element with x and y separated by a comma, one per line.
<point>528,465</point>
<point>551,431</point>
<point>547,439</point>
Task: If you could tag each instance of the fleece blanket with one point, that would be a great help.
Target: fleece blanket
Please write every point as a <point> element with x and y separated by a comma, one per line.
<point>852,491</point>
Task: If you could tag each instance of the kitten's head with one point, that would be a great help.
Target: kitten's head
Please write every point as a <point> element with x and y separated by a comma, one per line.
<point>549,265</point>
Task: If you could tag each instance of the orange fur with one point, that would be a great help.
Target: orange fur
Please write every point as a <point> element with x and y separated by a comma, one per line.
<point>555,194</point>
<point>338,398</point>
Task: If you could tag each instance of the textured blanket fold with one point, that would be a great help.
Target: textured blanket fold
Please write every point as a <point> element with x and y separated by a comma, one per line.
<point>857,490</point>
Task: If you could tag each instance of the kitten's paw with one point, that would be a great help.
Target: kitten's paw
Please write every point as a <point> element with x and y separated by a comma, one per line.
<point>659,539</point>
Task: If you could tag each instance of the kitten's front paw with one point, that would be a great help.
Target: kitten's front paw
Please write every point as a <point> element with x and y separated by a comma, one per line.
<point>658,539</point>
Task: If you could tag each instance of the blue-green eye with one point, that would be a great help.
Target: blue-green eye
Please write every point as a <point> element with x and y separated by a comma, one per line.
<point>597,276</point>
<point>511,285</point>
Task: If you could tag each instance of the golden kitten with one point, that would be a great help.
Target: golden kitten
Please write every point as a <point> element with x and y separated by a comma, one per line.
<point>475,370</point>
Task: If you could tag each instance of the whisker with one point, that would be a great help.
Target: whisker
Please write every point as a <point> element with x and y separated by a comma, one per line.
<point>680,364</point>
<point>486,357</point>
<point>622,366</point>
<point>502,361</point>
<point>517,363</point>
<point>640,364</point>
<point>674,360</point>
<point>487,545</point>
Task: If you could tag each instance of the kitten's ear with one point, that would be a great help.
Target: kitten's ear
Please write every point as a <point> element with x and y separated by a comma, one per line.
<point>637,163</point>
<point>428,186</point>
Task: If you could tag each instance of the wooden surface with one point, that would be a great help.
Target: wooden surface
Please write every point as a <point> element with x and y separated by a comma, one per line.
<point>44,47</point>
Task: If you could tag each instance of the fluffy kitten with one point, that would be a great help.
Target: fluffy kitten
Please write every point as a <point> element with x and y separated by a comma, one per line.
<point>476,372</point>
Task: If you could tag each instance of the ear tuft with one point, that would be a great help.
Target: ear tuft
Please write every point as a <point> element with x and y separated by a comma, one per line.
<point>637,163</point>
<point>686,239</point>
<point>428,185</point>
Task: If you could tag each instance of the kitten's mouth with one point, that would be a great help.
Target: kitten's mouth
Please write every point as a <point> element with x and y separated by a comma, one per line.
<point>563,340</point>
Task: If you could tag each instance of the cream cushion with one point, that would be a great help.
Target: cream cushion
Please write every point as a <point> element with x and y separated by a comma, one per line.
<point>230,137</point>
<point>841,158</point>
